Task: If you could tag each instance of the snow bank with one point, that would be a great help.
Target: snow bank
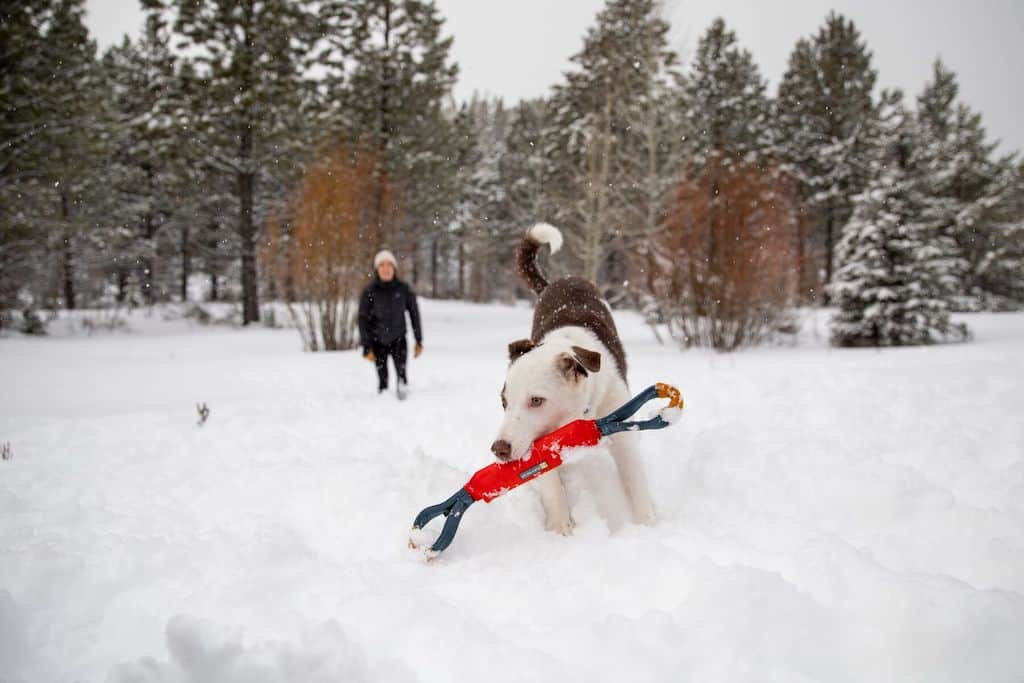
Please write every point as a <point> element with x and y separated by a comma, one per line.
<point>824,515</point>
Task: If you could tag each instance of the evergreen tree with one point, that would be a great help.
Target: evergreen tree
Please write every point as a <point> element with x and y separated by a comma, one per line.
<point>893,267</point>
<point>727,111</point>
<point>22,115</point>
<point>730,132</point>
<point>523,167</point>
<point>388,76</point>
<point>598,133</point>
<point>52,140</point>
<point>250,57</point>
<point>999,274</point>
<point>824,109</point>
<point>966,187</point>
<point>150,156</point>
<point>485,231</point>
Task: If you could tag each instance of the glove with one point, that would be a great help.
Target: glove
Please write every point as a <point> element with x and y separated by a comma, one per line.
<point>418,350</point>
<point>369,355</point>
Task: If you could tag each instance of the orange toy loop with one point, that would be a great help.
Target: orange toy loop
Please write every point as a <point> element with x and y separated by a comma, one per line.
<point>675,399</point>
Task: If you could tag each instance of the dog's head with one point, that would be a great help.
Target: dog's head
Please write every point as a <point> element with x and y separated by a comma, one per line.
<point>544,389</point>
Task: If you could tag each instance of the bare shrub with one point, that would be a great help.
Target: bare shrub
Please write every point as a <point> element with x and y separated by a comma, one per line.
<point>724,268</point>
<point>319,257</point>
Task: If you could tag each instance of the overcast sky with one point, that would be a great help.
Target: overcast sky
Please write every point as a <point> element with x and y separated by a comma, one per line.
<point>519,48</point>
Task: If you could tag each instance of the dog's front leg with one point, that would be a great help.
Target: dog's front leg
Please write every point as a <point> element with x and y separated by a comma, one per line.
<point>556,504</point>
<point>633,477</point>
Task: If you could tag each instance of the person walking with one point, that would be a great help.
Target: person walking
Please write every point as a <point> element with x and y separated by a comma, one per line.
<point>382,309</point>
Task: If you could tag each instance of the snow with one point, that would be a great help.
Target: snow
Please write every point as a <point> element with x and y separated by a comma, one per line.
<point>824,514</point>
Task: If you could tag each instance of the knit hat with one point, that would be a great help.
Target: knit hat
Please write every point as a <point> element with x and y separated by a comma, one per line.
<point>382,256</point>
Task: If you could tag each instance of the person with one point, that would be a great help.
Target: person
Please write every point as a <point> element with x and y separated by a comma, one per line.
<point>382,310</point>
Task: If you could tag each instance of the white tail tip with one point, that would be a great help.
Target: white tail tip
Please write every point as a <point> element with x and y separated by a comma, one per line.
<point>546,233</point>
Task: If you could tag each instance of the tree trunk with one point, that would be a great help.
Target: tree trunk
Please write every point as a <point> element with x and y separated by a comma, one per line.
<point>413,260</point>
<point>68,266</point>
<point>800,253</point>
<point>380,237</point>
<point>433,267</point>
<point>186,262</point>
<point>829,246</point>
<point>213,287</point>
<point>122,285</point>
<point>247,179</point>
<point>246,233</point>
<point>148,230</point>
<point>462,271</point>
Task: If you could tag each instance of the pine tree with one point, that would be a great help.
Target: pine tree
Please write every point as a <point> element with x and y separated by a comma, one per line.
<point>486,233</point>
<point>523,167</point>
<point>824,109</point>
<point>893,267</point>
<point>599,131</point>
<point>22,115</point>
<point>966,186</point>
<point>152,167</point>
<point>727,111</point>
<point>999,274</point>
<point>729,132</point>
<point>388,76</point>
<point>53,141</point>
<point>250,57</point>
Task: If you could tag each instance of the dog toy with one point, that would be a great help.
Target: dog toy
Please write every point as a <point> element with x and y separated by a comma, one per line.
<point>545,455</point>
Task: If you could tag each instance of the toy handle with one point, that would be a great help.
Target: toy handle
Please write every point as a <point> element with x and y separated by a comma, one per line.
<point>616,422</point>
<point>452,509</point>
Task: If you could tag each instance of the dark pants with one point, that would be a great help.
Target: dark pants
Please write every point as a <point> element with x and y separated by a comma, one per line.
<point>399,353</point>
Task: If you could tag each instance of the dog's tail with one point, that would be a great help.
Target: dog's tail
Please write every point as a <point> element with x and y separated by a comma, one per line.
<point>526,254</point>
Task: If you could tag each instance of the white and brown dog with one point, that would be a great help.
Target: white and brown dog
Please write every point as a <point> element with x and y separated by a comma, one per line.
<point>561,373</point>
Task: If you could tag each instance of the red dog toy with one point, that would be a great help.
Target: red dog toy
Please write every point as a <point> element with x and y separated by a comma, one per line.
<point>545,455</point>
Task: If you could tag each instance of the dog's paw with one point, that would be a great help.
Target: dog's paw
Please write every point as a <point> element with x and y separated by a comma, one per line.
<point>644,515</point>
<point>562,527</point>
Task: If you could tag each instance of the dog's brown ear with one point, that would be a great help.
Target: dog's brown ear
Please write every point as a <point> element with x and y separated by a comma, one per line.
<point>578,364</point>
<point>518,348</point>
<point>591,360</point>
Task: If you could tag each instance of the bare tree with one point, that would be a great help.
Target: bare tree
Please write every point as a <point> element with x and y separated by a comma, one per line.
<point>726,258</point>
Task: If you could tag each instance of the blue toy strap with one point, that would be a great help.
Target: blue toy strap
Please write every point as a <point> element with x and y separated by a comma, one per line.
<point>615,421</point>
<point>452,509</point>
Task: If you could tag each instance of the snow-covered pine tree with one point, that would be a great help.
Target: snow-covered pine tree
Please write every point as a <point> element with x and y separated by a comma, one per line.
<point>893,268</point>
<point>150,162</point>
<point>823,111</point>
<point>728,181</point>
<point>57,145</point>
<point>966,187</point>
<point>523,167</point>
<point>484,232</point>
<point>727,111</point>
<point>250,57</point>
<point>1000,272</point>
<point>598,131</point>
<point>22,114</point>
<point>388,76</point>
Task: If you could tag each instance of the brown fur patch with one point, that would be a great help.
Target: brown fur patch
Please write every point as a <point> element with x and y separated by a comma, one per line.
<point>526,264</point>
<point>568,301</point>
<point>591,360</point>
<point>571,368</point>
<point>518,348</point>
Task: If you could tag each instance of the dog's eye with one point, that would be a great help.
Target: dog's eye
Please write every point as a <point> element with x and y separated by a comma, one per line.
<point>536,401</point>
<point>504,403</point>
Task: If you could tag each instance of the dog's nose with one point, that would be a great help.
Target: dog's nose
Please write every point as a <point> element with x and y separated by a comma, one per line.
<point>502,449</point>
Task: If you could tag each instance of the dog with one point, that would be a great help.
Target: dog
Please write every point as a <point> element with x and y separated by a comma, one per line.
<point>573,366</point>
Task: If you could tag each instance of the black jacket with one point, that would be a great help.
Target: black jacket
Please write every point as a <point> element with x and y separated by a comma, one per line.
<point>382,312</point>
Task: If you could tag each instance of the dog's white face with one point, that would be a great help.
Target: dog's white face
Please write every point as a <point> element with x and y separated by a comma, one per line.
<point>546,387</point>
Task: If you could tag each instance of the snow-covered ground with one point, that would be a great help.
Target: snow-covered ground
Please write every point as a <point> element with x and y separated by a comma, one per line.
<point>825,515</point>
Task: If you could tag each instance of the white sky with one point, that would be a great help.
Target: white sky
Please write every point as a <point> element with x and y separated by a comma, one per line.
<point>519,48</point>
